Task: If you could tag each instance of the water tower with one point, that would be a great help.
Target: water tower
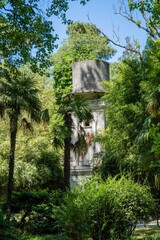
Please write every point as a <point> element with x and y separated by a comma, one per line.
<point>87,77</point>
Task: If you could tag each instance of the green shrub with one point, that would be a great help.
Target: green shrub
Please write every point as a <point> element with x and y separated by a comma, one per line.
<point>34,169</point>
<point>105,209</point>
<point>33,210</point>
<point>7,231</point>
<point>49,170</point>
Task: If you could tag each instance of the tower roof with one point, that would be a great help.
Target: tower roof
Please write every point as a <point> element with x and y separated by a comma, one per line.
<point>87,76</point>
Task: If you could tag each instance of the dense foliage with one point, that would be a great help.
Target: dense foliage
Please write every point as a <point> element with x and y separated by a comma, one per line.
<point>33,210</point>
<point>132,113</point>
<point>150,12</point>
<point>84,42</point>
<point>7,230</point>
<point>105,209</point>
<point>27,34</point>
<point>101,209</point>
<point>131,139</point>
<point>37,164</point>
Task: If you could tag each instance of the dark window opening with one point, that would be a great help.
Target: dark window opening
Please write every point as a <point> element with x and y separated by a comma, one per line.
<point>86,124</point>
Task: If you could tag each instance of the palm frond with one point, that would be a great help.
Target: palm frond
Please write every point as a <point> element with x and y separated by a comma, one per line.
<point>45,115</point>
<point>19,93</point>
<point>143,136</point>
<point>78,106</point>
<point>26,125</point>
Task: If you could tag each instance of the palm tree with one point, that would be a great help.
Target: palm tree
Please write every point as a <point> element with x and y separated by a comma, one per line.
<point>18,96</point>
<point>69,106</point>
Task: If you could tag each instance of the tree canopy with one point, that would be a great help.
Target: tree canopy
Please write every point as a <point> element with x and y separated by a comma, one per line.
<point>130,142</point>
<point>84,41</point>
<point>27,33</point>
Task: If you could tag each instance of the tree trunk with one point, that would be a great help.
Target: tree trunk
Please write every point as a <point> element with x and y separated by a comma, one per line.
<point>67,146</point>
<point>13,133</point>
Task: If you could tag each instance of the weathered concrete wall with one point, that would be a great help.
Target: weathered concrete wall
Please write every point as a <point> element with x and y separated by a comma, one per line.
<point>85,161</point>
<point>87,75</point>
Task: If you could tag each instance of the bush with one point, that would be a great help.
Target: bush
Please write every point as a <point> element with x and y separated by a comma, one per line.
<point>33,210</point>
<point>49,170</point>
<point>105,209</point>
<point>7,231</point>
<point>34,169</point>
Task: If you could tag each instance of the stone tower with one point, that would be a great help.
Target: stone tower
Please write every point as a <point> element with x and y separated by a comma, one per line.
<point>87,77</point>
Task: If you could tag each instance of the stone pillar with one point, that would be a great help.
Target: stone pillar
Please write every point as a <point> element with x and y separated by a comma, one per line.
<point>87,77</point>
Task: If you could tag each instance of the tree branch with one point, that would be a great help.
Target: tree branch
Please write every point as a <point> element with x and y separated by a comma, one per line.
<point>149,28</point>
<point>120,45</point>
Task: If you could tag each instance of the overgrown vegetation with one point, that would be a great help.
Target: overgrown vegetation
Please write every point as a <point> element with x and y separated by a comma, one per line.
<point>35,154</point>
<point>105,209</point>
